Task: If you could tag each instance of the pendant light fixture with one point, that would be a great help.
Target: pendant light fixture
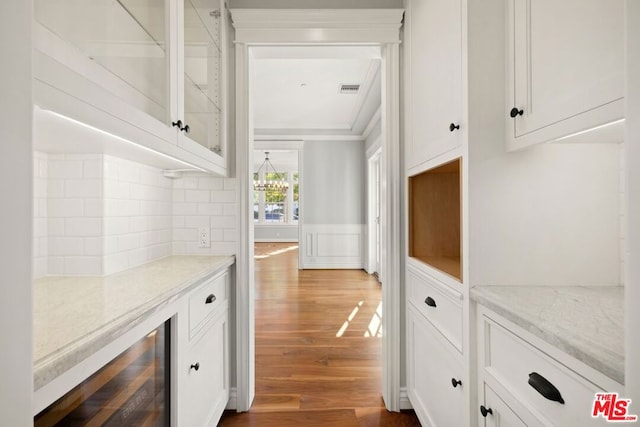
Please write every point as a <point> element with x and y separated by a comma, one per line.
<point>269,184</point>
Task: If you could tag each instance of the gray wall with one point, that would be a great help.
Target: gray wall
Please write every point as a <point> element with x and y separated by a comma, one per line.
<point>334,182</point>
<point>275,233</point>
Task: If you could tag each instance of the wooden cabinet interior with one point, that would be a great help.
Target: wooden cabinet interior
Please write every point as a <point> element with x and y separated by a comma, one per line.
<point>434,218</point>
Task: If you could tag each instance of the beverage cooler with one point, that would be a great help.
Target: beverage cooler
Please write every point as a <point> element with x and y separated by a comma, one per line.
<point>131,390</point>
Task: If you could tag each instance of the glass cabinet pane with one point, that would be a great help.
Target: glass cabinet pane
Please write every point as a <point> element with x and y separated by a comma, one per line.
<point>202,62</point>
<point>128,38</point>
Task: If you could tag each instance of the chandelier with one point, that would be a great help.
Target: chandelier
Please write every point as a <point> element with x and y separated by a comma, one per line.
<point>269,185</point>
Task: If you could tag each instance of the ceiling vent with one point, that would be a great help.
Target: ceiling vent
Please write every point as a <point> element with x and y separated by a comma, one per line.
<point>352,89</point>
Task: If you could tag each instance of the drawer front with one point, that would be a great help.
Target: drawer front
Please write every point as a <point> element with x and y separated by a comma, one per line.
<point>512,361</point>
<point>205,301</point>
<point>441,305</point>
<point>204,391</point>
<point>434,366</point>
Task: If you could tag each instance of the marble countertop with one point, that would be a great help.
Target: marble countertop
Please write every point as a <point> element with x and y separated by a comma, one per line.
<point>76,316</point>
<point>586,322</point>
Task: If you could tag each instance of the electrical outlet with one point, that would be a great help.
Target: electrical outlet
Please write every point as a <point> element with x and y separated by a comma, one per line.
<point>204,238</point>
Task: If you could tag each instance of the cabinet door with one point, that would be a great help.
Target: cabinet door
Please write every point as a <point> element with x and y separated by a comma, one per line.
<point>435,66</point>
<point>434,365</point>
<point>496,413</point>
<point>121,46</point>
<point>204,391</point>
<point>201,72</point>
<point>567,64</point>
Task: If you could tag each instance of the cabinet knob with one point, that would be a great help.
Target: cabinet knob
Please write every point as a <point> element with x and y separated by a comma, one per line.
<point>211,298</point>
<point>177,124</point>
<point>485,411</point>
<point>545,388</point>
<point>455,383</point>
<point>195,366</point>
<point>515,112</point>
<point>186,129</point>
<point>430,302</point>
<point>453,127</point>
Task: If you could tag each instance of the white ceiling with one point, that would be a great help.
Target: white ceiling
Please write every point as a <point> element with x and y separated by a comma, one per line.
<point>296,90</point>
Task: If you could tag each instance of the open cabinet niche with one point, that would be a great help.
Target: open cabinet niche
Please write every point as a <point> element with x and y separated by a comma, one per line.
<point>435,237</point>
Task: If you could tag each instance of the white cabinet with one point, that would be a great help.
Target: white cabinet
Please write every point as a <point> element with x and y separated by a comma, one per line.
<point>151,74</point>
<point>566,70</point>
<point>203,361</point>
<point>435,375</point>
<point>434,32</point>
<point>529,382</point>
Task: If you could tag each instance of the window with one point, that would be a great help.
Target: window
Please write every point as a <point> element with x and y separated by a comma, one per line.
<point>278,207</point>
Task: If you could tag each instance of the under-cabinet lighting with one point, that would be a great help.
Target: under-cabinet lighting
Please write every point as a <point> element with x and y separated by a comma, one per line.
<point>121,139</point>
<point>589,130</point>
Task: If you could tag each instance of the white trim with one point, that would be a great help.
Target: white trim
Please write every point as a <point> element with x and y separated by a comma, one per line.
<point>276,240</point>
<point>306,137</point>
<point>377,116</point>
<point>372,187</point>
<point>405,403</point>
<point>332,246</point>
<point>232,404</point>
<point>276,144</point>
<point>320,27</point>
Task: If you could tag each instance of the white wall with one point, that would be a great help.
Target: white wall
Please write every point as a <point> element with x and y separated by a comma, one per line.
<point>275,233</point>
<point>16,361</point>
<point>632,290</point>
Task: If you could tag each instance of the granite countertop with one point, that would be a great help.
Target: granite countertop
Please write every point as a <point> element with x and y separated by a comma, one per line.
<point>76,316</point>
<point>587,322</point>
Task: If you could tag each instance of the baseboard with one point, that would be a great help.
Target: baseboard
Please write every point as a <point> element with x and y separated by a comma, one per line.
<point>275,240</point>
<point>405,403</point>
<point>232,404</point>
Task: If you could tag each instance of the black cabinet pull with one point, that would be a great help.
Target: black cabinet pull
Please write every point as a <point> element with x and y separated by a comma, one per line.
<point>455,383</point>
<point>195,366</point>
<point>430,302</point>
<point>211,298</point>
<point>453,127</point>
<point>515,112</point>
<point>485,411</point>
<point>177,124</point>
<point>186,129</point>
<point>545,388</point>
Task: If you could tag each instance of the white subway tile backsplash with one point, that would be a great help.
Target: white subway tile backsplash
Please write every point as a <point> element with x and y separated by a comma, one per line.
<point>178,248</point>
<point>92,168</point>
<point>55,265</point>
<point>188,182</point>
<point>92,246</point>
<point>64,246</point>
<point>185,234</point>
<point>128,242</point>
<point>230,235</point>
<point>197,221</point>
<point>185,208</point>
<point>217,235</point>
<point>199,196</point>
<point>224,222</point>
<point>65,168</point>
<point>178,195</point>
<point>210,183</point>
<point>83,227</point>
<point>209,209</point>
<point>86,265</point>
<point>229,209</point>
<point>65,208</point>
<point>83,188</point>
<point>93,208</point>
<point>224,196</point>
<point>55,227</point>
<point>229,183</point>
<point>178,221</point>
<point>55,188</point>
<point>116,225</point>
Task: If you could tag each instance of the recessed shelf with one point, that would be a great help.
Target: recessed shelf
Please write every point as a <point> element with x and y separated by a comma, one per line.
<point>434,218</point>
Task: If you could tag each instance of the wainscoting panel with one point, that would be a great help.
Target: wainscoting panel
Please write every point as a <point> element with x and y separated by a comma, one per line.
<point>333,246</point>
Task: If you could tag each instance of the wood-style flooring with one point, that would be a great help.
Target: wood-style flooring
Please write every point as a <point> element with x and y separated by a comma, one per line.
<point>318,348</point>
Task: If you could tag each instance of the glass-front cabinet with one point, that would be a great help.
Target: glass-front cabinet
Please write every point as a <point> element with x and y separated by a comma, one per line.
<point>150,72</point>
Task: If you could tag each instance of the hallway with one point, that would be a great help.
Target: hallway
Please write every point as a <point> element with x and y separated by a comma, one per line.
<point>318,347</point>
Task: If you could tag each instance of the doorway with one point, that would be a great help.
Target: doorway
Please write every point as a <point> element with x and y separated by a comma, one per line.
<point>373,216</point>
<point>377,28</point>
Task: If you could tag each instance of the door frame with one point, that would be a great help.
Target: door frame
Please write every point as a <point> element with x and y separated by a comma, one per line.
<point>373,212</point>
<point>365,27</point>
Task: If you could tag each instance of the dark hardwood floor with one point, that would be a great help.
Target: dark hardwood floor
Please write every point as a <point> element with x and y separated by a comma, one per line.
<point>318,349</point>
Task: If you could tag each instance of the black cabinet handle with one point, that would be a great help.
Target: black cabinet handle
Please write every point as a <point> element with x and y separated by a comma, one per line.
<point>211,298</point>
<point>195,366</point>
<point>455,383</point>
<point>515,112</point>
<point>485,411</point>
<point>177,124</point>
<point>430,302</point>
<point>186,128</point>
<point>453,127</point>
<point>545,388</point>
